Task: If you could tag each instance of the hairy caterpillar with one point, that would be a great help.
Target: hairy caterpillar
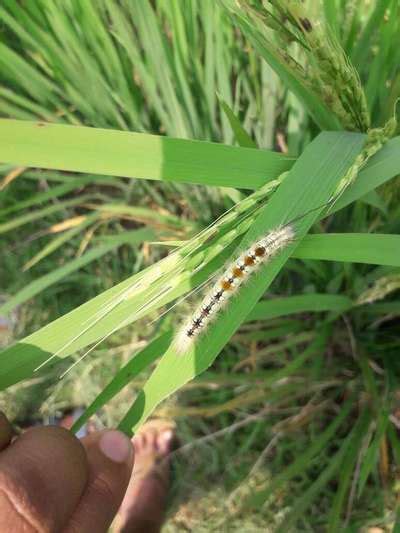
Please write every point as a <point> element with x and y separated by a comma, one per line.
<point>234,276</point>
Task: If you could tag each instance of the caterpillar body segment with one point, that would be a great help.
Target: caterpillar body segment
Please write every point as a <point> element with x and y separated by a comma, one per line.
<point>230,282</point>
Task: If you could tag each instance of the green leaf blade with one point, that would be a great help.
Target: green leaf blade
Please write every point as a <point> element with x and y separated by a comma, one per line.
<point>301,192</point>
<point>121,153</point>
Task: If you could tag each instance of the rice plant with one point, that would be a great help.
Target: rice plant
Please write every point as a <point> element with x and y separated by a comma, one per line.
<point>304,386</point>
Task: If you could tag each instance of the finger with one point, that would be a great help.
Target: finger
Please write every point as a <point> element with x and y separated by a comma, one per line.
<point>5,431</point>
<point>43,474</point>
<point>110,457</point>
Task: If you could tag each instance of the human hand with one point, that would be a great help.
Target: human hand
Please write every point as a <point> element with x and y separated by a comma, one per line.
<point>52,482</point>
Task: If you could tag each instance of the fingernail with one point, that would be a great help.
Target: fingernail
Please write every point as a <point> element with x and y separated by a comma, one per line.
<point>116,446</point>
<point>165,440</point>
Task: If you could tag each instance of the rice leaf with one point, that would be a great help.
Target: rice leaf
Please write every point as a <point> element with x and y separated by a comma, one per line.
<point>242,137</point>
<point>119,153</point>
<point>375,249</point>
<point>83,150</point>
<point>335,463</point>
<point>42,283</point>
<point>137,363</point>
<point>52,192</point>
<point>371,456</point>
<point>302,191</point>
<point>303,303</point>
<point>303,461</point>
<point>362,49</point>
<point>42,213</point>
<point>345,478</point>
<point>58,241</point>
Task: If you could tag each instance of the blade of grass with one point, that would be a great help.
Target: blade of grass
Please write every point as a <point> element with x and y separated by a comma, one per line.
<point>396,527</point>
<point>375,249</point>
<point>42,283</point>
<point>382,308</point>
<point>256,34</point>
<point>334,464</point>
<point>374,199</point>
<point>126,154</point>
<point>241,135</point>
<point>362,49</point>
<point>42,213</point>
<point>302,190</point>
<point>383,166</point>
<point>371,457</point>
<point>51,338</point>
<point>303,461</point>
<point>276,307</point>
<point>82,149</point>
<point>380,60</point>
<point>19,361</point>
<point>345,478</point>
<point>125,375</point>
<point>52,192</point>
<point>58,241</point>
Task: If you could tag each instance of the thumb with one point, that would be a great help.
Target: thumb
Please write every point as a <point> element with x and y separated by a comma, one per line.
<point>110,459</point>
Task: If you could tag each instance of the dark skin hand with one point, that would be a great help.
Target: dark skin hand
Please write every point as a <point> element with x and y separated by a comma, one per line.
<point>50,481</point>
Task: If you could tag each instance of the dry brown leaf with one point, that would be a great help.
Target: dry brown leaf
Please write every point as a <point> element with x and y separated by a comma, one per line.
<point>11,176</point>
<point>66,224</point>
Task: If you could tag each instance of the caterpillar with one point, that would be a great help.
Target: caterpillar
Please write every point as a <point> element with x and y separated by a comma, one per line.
<point>229,282</point>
